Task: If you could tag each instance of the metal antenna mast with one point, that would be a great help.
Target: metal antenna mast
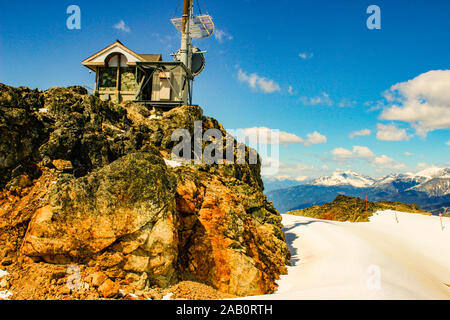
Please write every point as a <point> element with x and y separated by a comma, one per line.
<point>186,40</point>
<point>190,26</point>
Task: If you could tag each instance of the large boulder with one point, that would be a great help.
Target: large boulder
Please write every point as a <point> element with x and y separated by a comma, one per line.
<point>88,214</point>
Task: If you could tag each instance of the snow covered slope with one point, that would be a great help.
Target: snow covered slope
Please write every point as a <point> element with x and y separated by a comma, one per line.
<point>380,259</point>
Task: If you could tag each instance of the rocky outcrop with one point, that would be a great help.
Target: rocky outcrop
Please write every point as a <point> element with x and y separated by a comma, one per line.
<point>352,209</point>
<point>87,183</point>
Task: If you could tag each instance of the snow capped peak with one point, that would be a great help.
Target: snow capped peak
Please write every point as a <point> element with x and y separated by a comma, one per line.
<point>340,178</point>
<point>433,172</point>
<point>400,180</point>
<point>394,177</point>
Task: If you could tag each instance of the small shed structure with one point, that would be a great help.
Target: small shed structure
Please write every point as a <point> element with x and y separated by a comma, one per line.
<point>123,75</point>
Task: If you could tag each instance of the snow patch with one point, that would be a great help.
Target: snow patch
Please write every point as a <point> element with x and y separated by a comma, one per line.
<point>173,163</point>
<point>5,295</point>
<point>168,296</point>
<point>3,273</point>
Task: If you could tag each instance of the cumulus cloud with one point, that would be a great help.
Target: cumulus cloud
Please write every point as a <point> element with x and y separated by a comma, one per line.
<point>448,143</point>
<point>360,133</point>
<point>423,102</point>
<point>391,133</point>
<point>297,171</point>
<point>306,55</point>
<point>222,35</point>
<point>342,154</point>
<point>272,137</point>
<point>364,153</point>
<point>122,26</point>
<point>315,138</point>
<point>387,163</point>
<point>358,152</point>
<point>258,83</point>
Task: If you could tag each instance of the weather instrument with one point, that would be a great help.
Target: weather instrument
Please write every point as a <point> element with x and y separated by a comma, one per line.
<point>192,27</point>
<point>198,61</point>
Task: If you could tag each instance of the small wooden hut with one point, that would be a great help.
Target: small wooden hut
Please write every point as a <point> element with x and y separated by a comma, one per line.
<point>123,75</point>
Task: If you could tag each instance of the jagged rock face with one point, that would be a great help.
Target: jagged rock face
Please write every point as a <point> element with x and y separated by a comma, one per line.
<point>20,133</point>
<point>92,188</point>
<point>230,235</point>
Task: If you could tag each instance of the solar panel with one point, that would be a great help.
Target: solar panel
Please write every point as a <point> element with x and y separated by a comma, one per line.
<point>200,26</point>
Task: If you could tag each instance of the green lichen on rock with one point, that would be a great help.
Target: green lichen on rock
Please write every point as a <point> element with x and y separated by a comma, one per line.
<point>88,183</point>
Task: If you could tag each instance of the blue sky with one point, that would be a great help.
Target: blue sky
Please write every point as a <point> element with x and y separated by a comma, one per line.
<point>302,67</point>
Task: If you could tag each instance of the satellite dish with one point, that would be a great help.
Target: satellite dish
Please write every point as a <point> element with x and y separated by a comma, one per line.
<point>200,26</point>
<point>198,61</point>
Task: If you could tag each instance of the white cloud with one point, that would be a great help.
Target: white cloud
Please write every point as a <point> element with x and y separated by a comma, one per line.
<point>315,138</point>
<point>322,99</point>
<point>423,102</point>
<point>341,154</point>
<point>306,55</point>
<point>391,133</point>
<point>301,178</point>
<point>291,90</point>
<point>222,35</point>
<point>272,137</point>
<point>294,171</point>
<point>347,103</point>
<point>448,143</point>
<point>258,83</point>
<point>358,152</point>
<point>408,154</point>
<point>360,133</point>
<point>265,136</point>
<point>122,26</point>
<point>387,163</point>
<point>364,153</point>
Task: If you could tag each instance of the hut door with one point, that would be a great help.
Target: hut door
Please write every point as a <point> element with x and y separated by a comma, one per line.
<point>165,86</point>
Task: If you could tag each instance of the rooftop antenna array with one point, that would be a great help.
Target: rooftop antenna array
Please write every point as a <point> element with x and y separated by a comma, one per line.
<point>192,27</point>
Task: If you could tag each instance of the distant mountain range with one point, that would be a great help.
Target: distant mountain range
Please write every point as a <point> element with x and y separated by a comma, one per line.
<point>277,184</point>
<point>430,189</point>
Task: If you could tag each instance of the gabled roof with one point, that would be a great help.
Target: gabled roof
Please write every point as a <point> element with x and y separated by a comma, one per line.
<point>98,59</point>
<point>151,57</point>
